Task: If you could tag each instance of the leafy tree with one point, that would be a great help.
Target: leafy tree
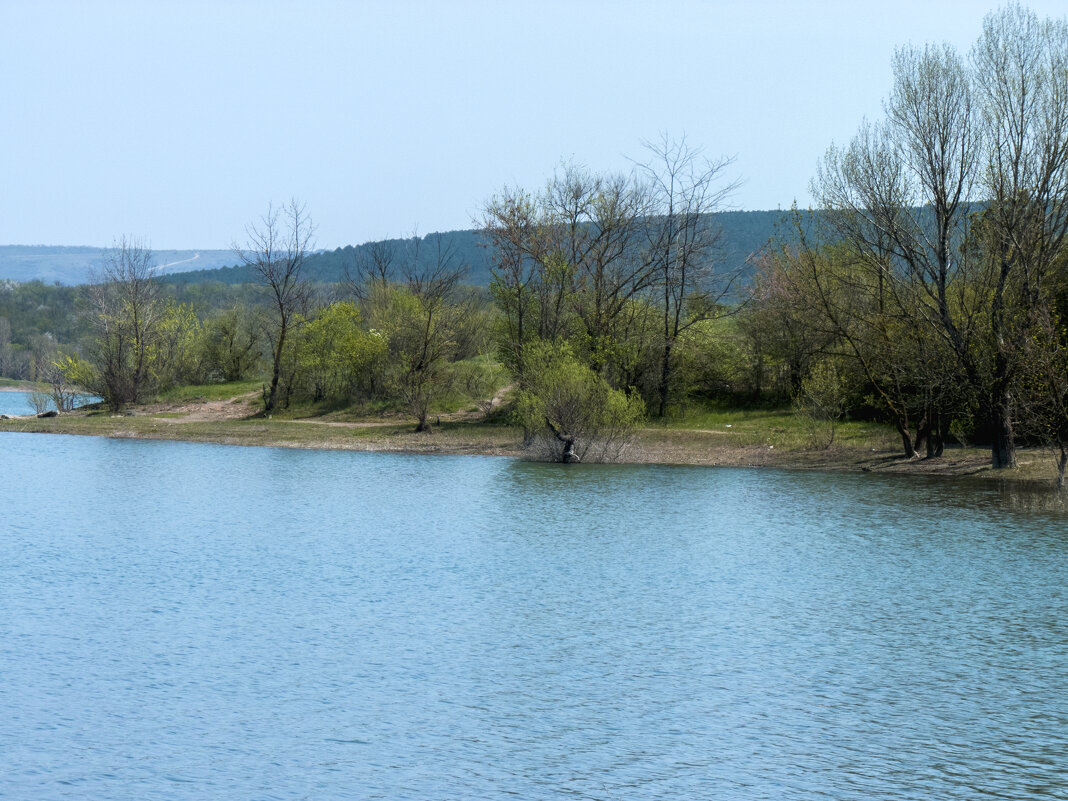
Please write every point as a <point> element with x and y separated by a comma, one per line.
<point>574,414</point>
<point>903,193</point>
<point>337,358</point>
<point>230,344</point>
<point>821,402</point>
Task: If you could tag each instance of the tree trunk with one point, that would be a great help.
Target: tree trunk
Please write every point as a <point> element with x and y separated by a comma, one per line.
<point>665,376</point>
<point>276,371</point>
<point>923,432</point>
<point>906,438</point>
<point>938,435</point>
<point>1062,463</point>
<point>1002,446</point>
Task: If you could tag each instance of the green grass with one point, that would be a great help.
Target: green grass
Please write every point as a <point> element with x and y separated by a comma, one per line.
<point>223,391</point>
<point>778,427</point>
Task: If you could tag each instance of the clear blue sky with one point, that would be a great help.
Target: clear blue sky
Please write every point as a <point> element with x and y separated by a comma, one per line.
<point>179,121</point>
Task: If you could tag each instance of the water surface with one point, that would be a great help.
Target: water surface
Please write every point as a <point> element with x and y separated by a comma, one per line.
<point>193,621</point>
<point>19,403</point>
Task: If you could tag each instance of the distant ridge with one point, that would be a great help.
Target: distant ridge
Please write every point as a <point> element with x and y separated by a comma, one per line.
<point>744,233</point>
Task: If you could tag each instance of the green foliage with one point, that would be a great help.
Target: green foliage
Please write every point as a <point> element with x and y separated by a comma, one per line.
<point>478,380</point>
<point>337,358</point>
<point>822,401</point>
<point>572,413</point>
<point>421,335</point>
<point>230,344</point>
<point>80,373</point>
<point>174,356</point>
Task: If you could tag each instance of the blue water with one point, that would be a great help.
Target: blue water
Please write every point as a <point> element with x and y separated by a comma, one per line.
<point>18,403</point>
<point>193,622</point>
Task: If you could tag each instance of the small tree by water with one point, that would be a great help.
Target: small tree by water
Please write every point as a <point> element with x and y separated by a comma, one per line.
<point>572,413</point>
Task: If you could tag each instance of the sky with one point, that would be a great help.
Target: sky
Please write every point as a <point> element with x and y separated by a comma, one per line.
<point>179,122</point>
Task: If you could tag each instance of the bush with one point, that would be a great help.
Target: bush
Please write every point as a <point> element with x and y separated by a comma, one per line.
<point>570,413</point>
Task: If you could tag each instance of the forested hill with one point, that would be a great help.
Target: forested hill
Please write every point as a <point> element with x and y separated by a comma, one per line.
<point>744,233</point>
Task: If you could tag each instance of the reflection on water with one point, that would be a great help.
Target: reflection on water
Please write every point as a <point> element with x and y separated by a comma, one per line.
<point>188,621</point>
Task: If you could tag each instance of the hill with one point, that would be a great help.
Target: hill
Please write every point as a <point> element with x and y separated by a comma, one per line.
<point>744,233</point>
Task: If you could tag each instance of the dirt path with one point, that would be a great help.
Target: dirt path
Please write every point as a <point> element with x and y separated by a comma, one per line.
<point>244,406</point>
<point>199,411</point>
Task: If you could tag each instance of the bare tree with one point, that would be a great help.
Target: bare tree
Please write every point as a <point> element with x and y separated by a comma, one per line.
<point>592,234</point>
<point>127,315</point>
<point>684,190</point>
<point>511,228</point>
<point>1021,73</point>
<point>905,195</point>
<point>277,247</point>
<point>373,266</point>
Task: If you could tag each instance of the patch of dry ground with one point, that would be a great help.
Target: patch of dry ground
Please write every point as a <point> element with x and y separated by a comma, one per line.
<point>239,407</point>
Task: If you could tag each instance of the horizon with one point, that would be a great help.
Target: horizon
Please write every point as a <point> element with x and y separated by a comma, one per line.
<point>178,123</point>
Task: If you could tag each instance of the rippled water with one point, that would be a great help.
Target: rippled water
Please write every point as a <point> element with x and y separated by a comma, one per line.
<point>191,621</point>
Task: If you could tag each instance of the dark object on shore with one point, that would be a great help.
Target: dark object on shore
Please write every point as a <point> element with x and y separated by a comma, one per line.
<point>49,413</point>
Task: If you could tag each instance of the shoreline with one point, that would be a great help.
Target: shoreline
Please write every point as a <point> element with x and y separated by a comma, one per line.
<point>651,446</point>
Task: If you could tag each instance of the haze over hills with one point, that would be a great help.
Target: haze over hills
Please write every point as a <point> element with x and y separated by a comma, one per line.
<point>76,265</point>
<point>744,233</point>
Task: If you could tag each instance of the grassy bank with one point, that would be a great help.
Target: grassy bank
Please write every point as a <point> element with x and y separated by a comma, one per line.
<point>227,414</point>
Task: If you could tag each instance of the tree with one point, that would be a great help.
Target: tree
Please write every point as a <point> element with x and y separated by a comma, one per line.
<point>276,248</point>
<point>127,316</point>
<point>1043,390</point>
<point>955,203</point>
<point>423,320</point>
<point>1021,73</point>
<point>683,191</point>
<point>337,359</point>
<point>7,360</point>
<point>230,344</point>
<point>511,228</point>
<point>574,413</point>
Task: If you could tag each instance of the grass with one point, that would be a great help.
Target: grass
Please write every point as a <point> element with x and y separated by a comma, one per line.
<point>777,427</point>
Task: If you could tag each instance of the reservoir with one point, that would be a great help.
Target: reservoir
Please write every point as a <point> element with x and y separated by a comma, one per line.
<point>189,621</point>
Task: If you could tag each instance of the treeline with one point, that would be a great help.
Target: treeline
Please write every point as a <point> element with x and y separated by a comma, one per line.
<point>943,312</point>
<point>409,343</point>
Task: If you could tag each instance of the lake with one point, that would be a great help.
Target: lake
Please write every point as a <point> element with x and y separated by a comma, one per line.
<point>19,403</point>
<point>184,621</point>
